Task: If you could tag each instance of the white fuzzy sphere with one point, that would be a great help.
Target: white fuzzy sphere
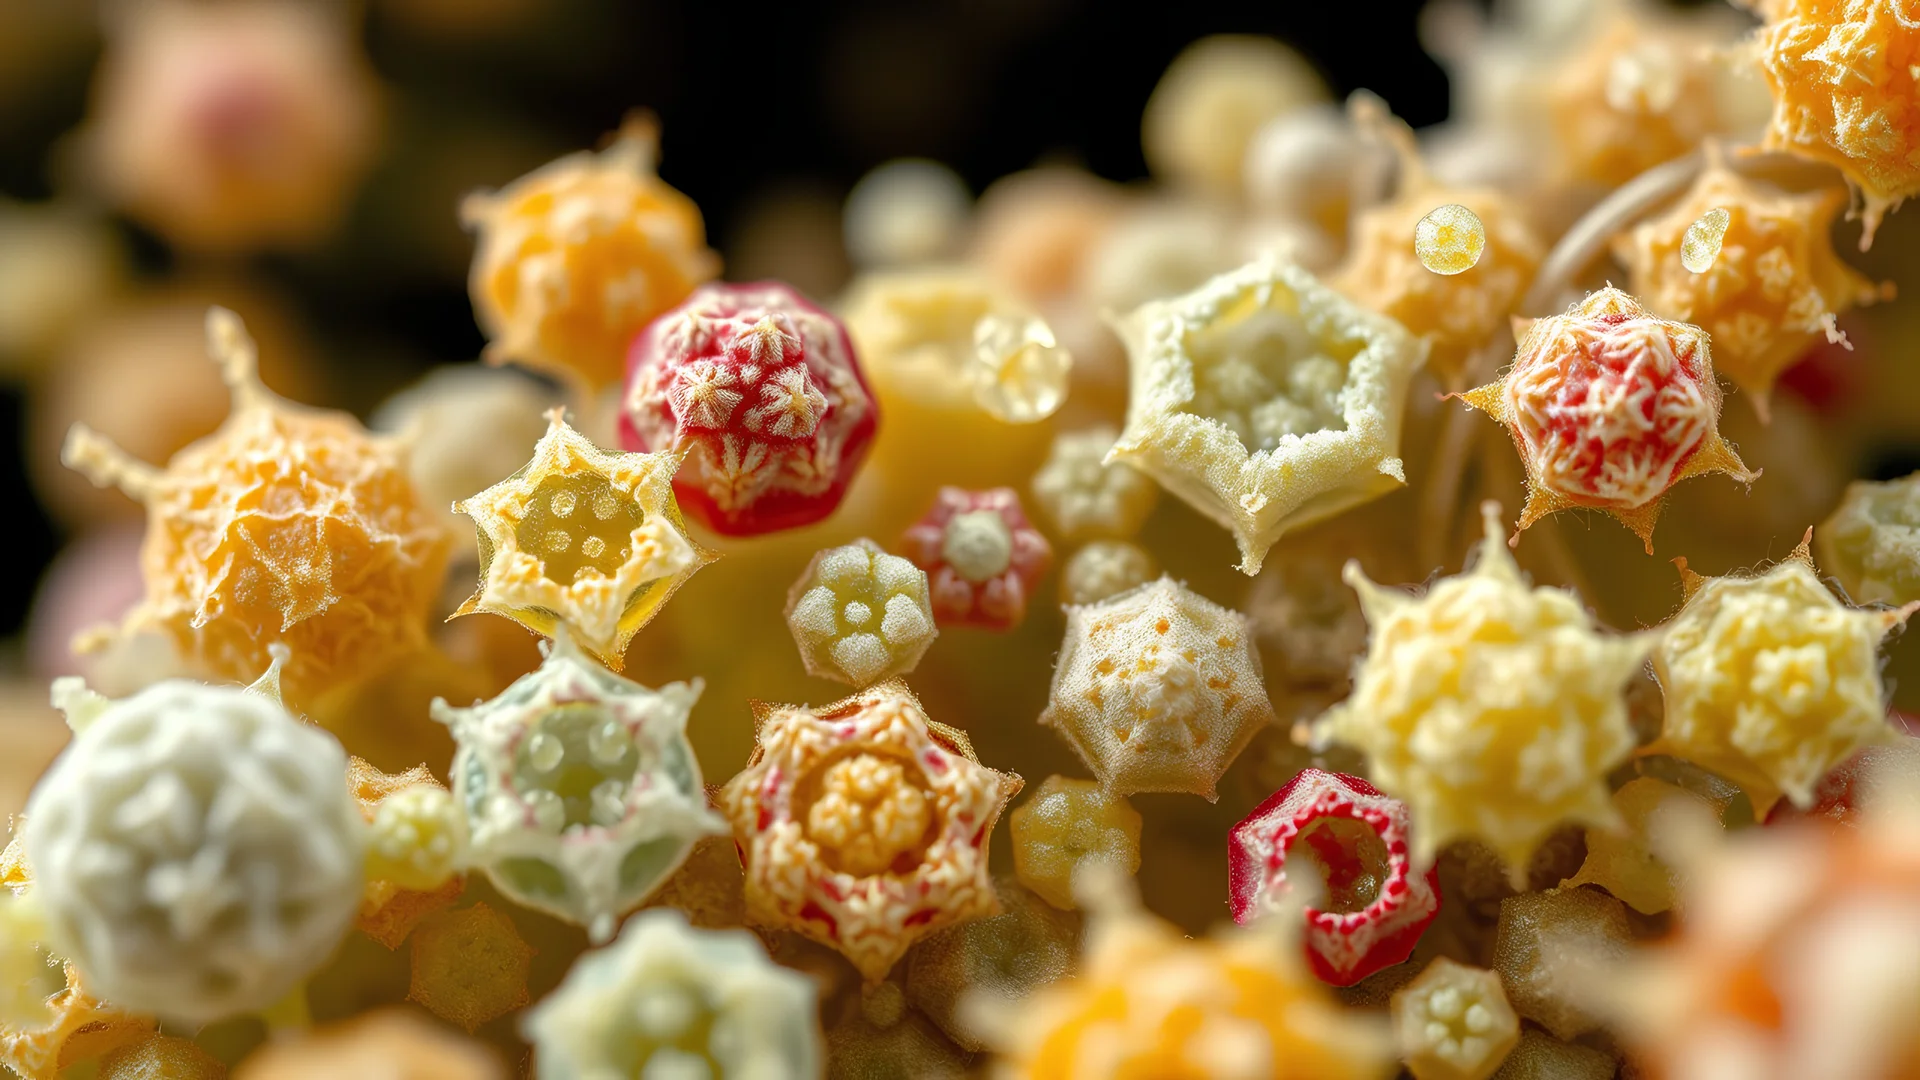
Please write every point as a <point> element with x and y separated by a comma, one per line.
<point>197,851</point>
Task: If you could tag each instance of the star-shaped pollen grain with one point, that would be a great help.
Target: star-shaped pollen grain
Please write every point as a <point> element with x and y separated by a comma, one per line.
<point>1771,681</point>
<point>863,825</point>
<point>1845,76</point>
<point>1773,290</point>
<point>1493,710</point>
<point>583,537</point>
<point>1157,689</point>
<point>287,525</point>
<point>1609,408</point>
<point>1266,400</point>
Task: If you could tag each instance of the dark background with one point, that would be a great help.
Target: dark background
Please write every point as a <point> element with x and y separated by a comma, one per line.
<point>759,103</point>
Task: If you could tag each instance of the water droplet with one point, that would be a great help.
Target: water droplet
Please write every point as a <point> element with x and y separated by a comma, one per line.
<point>544,752</point>
<point>1450,239</point>
<point>549,813</point>
<point>608,743</point>
<point>609,803</point>
<point>1701,245</point>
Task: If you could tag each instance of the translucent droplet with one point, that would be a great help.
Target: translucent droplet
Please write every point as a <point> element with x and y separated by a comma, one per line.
<point>544,752</point>
<point>549,813</point>
<point>1450,239</point>
<point>608,743</point>
<point>1701,245</point>
<point>1019,372</point>
<point>609,803</point>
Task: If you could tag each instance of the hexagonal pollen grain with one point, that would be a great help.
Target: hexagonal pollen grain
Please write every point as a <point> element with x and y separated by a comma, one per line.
<point>983,559</point>
<point>863,826</point>
<point>1453,1022</point>
<point>390,908</point>
<point>470,966</point>
<point>761,391</point>
<point>580,790</point>
<point>578,256</point>
<point>1609,407</point>
<point>860,615</point>
<point>1553,948</point>
<point>1871,542</point>
<point>1157,689</point>
<point>287,525</point>
<point>1029,944</point>
<point>1084,498</point>
<point>1375,906</point>
<point>1266,401</point>
<point>1066,825</point>
<point>584,538</point>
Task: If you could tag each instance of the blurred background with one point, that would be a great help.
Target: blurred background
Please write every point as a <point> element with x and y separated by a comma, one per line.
<point>769,113</point>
